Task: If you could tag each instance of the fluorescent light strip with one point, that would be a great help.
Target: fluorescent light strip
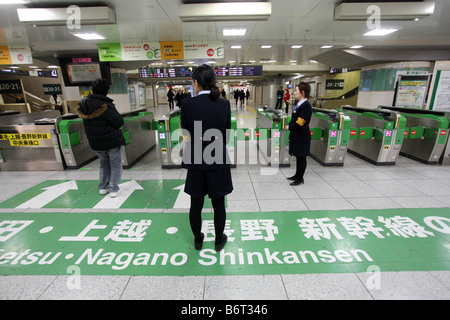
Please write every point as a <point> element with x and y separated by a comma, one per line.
<point>266,46</point>
<point>234,32</point>
<point>89,36</point>
<point>235,47</point>
<point>326,47</point>
<point>296,47</point>
<point>356,47</point>
<point>380,32</point>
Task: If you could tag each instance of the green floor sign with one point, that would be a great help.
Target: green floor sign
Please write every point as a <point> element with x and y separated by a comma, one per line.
<point>259,243</point>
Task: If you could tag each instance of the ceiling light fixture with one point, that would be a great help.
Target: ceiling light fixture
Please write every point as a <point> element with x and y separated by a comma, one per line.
<point>296,47</point>
<point>352,11</point>
<point>326,47</point>
<point>355,47</point>
<point>266,46</point>
<point>234,32</point>
<point>13,1</point>
<point>379,32</point>
<point>234,11</point>
<point>59,16</point>
<point>235,47</point>
<point>89,36</point>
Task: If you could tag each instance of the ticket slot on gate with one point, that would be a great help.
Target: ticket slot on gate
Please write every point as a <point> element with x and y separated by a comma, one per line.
<point>330,135</point>
<point>375,135</point>
<point>426,135</point>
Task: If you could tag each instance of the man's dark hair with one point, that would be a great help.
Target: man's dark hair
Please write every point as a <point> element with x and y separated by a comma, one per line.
<point>100,86</point>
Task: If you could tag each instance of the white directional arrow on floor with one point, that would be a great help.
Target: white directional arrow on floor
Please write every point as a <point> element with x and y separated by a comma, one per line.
<point>183,199</point>
<point>126,189</point>
<point>50,194</point>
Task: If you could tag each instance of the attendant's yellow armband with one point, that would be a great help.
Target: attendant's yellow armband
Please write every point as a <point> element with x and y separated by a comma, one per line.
<point>300,121</point>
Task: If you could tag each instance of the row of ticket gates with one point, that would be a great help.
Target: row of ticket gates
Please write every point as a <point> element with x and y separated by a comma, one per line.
<point>48,141</point>
<point>378,136</point>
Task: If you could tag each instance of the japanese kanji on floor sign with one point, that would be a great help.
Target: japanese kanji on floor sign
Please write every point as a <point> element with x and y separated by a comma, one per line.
<point>138,243</point>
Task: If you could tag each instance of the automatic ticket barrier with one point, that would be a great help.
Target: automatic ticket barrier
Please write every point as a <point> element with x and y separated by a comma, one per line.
<point>272,139</point>
<point>139,136</point>
<point>75,148</point>
<point>375,135</point>
<point>330,134</point>
<point>170,140</point>
<point>426,135</point>
<point>29,141</point>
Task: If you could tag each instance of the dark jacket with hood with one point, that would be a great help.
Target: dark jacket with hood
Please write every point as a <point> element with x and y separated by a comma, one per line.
<point>101,122</point>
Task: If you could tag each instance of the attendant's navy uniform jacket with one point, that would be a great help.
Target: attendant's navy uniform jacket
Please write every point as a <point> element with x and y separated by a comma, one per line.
<point>300,133</point>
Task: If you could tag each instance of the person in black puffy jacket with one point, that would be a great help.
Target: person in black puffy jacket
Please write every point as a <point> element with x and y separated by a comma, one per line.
<point>102,123</point>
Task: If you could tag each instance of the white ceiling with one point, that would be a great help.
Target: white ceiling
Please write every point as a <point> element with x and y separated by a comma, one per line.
<point>293,22</point>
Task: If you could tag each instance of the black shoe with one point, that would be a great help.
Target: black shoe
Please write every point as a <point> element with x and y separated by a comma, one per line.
<point>219,246</point>
<point>297,182</point>
<point>199,245</point>
<point>292,178</point>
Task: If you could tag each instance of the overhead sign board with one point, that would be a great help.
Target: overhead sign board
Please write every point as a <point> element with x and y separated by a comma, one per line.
<point>167,50</point>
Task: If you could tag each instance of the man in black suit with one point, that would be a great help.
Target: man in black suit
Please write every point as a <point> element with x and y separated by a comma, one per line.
<point>206,121</point>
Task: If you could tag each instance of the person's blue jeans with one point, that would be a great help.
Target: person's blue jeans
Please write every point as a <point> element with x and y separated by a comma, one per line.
<point>110,169</point>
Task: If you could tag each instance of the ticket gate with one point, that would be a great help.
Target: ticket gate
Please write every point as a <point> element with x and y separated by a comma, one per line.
<point>28,141</point>
<point>139,136</point>
<point>170,137</point>
<point>375,135</point>
<point>330,134</point>
<point>73,141</point>
<point>426,135</point>
<point>232,141</point>
<point>170,140</point>
<point>272,138</point>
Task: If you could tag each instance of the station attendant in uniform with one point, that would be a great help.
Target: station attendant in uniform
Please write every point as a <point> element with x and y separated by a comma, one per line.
<point>205,119</point>
<point>300,134</point>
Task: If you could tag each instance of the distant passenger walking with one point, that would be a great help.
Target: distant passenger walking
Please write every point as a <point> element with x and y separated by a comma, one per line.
<point>242,97</point>
<point>279,98</point>
<point>286,98</point>
<point>236,97</point>
<point>170,97</point>
<point>102,124</point>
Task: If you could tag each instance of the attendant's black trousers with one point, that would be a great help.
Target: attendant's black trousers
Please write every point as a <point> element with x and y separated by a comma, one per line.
<point>301,167</point>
